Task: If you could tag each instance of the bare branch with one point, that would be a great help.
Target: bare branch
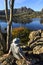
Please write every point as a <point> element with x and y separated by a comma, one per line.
<point>11,9</point>
<point>6,9</point>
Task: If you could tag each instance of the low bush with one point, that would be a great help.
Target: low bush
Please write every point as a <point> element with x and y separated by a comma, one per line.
<point>22,33</point>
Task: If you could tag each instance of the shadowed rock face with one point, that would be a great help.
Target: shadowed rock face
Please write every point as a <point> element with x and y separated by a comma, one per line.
<point>1,47</point>
<point>2,43</point>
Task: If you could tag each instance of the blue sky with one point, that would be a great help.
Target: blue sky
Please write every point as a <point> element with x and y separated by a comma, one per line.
<point>36,5</point>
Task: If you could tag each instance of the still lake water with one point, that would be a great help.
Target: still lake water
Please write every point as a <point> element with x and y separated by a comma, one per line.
<point>34,25</point>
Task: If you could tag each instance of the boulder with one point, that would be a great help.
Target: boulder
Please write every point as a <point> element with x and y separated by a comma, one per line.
<point>42,34</point>
<point>38,49</point>
<point>36,43</point>
<point>34,35</point>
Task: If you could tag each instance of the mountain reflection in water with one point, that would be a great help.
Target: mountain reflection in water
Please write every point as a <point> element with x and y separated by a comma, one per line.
<point>34,25</point>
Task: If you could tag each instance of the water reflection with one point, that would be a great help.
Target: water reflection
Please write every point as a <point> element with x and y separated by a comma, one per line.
<point>34,25</point>
<point>41,21</point>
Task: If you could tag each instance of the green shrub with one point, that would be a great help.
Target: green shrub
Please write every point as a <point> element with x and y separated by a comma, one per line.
<point>22,33</point>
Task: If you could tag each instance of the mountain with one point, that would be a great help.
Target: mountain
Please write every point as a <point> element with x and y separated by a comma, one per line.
<point>23,9</point>
<point>22,14</point>
<point>18,11</point>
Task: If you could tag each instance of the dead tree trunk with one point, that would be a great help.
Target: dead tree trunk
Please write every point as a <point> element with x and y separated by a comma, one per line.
<point>9,20</point>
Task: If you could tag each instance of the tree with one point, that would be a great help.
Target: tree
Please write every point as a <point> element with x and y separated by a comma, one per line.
<point>9,20</point>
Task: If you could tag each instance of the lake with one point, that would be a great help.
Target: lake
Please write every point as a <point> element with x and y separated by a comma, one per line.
<point>34,25</point>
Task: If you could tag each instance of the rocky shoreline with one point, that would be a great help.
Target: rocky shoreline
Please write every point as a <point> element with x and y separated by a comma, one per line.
<point>34,51</point>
